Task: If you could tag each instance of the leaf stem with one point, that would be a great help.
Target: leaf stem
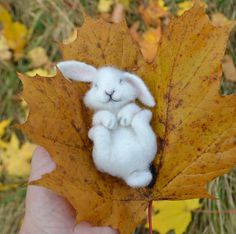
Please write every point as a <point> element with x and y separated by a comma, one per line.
<point>150,216</point>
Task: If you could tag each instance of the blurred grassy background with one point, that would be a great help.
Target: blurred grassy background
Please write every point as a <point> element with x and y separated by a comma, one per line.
<point>49,21</point>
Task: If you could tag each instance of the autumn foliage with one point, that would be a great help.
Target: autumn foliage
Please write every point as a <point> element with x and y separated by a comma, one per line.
<point>195,125</point>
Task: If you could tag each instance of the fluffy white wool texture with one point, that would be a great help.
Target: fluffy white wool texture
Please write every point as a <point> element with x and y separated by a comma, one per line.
<point>124,144</point>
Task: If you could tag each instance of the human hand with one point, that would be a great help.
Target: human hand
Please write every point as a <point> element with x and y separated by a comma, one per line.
<point>48,213</point>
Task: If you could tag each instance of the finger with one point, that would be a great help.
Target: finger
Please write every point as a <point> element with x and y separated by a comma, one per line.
<point>39,197</point>
<point>43,206</point>
<point>41,164</point>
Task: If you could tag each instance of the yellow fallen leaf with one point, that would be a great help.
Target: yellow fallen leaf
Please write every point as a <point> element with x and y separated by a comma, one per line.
<point>14,32</point>
<point>105,5</point>
<point>38,57</point>
<point>41,72</point>
<point>15,158</point>
<point>5,17</point>
<point>3,125</point>
<point>173,215</point>
<point>184,6</point>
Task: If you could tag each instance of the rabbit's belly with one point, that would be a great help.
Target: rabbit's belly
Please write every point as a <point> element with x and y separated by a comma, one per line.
<point>127,154</point>
<point>124,141</point>
<point>124,138</point>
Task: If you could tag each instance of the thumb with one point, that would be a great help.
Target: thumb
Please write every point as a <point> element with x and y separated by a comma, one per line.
<point>41,164</point>
<point>37,195</point>
<point>44,207</point>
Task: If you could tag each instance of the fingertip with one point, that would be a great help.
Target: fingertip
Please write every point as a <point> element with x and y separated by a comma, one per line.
<point>41,163</point>
<point>40,152</point>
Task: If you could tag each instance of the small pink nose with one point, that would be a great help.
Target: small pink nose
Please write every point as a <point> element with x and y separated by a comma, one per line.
<point>110,93</point>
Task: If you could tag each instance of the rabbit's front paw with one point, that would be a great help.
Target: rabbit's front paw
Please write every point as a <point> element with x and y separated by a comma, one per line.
<point>105,118</point>
<point>126,114</point>
<point>125,118</point>
<point>110,122</point>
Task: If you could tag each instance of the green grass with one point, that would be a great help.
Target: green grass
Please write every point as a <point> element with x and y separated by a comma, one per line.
<point>12,210</point>
<point>10,105</point>
<point>49,22</point>
<point>219,221</point>
<point>228,8</point>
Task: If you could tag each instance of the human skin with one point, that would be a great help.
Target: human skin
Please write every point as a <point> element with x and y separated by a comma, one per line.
<point>48,213</point>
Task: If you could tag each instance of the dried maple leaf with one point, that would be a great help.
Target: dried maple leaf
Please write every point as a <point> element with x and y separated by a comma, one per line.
<point>196,125</point>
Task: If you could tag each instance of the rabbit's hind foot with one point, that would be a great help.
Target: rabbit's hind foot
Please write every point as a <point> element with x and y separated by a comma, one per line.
<point>139,179</point>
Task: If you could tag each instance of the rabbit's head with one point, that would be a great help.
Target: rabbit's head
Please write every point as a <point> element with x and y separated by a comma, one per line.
<point>111,88</point>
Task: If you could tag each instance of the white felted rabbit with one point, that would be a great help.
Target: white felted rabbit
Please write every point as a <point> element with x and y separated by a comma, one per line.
<point>124,142</point>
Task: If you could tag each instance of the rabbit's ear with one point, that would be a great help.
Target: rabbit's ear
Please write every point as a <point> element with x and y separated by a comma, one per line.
<point>77,71</point>
<point>143,93</point>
